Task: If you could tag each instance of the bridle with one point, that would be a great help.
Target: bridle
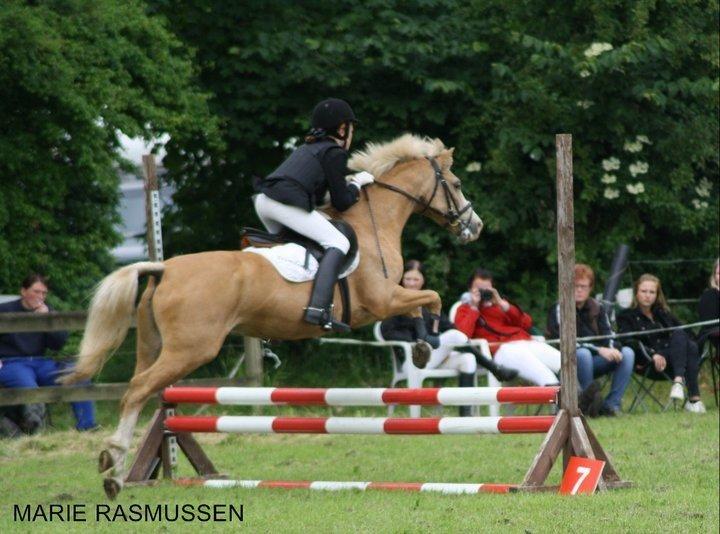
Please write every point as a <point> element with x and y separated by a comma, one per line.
<point>453,216</point>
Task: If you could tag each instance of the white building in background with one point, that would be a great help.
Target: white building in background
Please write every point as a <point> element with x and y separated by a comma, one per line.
<point>132,203</point>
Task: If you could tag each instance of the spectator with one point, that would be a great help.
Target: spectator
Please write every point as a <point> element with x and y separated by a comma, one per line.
<point>402,328</point>
<point>673,351</point>
<point>485,314</point>
<point>595,358</point>
<point>709,309</point>
<point>23,361</point>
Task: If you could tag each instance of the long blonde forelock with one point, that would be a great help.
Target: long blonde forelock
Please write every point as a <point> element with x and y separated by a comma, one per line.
<point>379,158</point>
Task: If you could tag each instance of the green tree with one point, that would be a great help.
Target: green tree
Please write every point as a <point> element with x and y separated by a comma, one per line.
<point>73,75</point>
<point>633,81</point>
<point>636,83</point>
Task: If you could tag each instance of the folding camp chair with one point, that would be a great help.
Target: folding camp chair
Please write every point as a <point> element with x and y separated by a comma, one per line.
<point>645,379</point>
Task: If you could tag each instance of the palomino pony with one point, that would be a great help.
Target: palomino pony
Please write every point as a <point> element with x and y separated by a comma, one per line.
<point>193,302</point>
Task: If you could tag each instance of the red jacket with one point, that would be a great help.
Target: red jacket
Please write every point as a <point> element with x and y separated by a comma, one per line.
<point>493,324</point>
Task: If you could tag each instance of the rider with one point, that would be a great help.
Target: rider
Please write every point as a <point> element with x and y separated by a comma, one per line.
<point>288,195</point>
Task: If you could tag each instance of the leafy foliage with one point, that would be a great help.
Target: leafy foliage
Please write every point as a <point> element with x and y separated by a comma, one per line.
<point>73,74</point>
<point>634,82</point>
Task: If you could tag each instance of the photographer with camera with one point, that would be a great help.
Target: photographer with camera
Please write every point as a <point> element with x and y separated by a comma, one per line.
<point>485,314</point>
<point>444,356</point>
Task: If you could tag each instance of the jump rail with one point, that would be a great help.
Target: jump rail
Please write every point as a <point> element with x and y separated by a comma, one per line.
<point>568,433</point>
<point>326,485</point>
<point>241,424</point>
<point>362,396</point>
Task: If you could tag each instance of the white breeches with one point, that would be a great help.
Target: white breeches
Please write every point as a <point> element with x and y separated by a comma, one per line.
<point>444,357</point>
<point>535,361</point>
<point>274,215</point>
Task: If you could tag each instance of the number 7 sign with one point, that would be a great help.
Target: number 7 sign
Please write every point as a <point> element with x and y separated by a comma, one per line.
<point>581,476</point>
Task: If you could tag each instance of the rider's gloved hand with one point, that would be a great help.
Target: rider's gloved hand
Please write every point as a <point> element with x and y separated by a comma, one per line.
<point>362,178</point>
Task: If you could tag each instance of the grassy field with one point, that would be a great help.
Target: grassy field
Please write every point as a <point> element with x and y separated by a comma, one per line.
<point>671,458</point>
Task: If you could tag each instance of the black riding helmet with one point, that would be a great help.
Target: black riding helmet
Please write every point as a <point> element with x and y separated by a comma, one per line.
<point>329,114</point>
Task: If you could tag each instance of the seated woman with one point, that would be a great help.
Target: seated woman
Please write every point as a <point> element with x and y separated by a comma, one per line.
<point>709,309</point>
<point>485,314</point>
<point>600,357</point>
<point>673,352</point>
<point>402,328</point>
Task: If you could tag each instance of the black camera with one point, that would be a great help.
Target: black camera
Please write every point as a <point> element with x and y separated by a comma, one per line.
<point>486,295</point>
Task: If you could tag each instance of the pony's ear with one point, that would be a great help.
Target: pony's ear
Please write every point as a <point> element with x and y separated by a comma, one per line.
<point>446,158</point>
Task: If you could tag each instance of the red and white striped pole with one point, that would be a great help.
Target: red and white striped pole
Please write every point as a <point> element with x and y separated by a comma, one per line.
<point>439,487</point>
<point>362,396</point>
<point>359,425</point>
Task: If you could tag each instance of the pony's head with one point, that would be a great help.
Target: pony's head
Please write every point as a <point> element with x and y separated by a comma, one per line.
<point>419,169</point>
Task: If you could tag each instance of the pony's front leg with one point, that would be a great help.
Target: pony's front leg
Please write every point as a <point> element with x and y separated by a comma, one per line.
<point>409,301</point>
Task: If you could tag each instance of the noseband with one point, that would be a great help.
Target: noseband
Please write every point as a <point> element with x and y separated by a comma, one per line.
<point>453,216</point>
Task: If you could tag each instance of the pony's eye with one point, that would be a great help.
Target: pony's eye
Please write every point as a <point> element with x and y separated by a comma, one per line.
<point>457,185</point>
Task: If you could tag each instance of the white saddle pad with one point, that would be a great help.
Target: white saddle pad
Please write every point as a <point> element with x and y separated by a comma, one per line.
<point>289,260</point>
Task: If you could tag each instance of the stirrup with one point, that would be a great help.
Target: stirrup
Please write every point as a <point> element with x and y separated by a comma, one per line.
<point>324,319</point>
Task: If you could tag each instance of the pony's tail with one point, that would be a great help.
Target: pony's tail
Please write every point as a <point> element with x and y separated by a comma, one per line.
<point>109,318</point>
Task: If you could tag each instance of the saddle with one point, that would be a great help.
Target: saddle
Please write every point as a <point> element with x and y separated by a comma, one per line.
<point>254,237</point>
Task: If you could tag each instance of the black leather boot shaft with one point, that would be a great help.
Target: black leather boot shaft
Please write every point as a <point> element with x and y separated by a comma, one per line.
<point>319,311</point>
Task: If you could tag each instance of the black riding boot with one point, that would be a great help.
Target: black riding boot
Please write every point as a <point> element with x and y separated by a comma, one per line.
<point>465,380</point>
<point>320,309</point>
<point>503,374</point>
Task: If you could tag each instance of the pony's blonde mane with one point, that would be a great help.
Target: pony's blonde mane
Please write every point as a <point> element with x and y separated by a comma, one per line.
<point>379,158</point>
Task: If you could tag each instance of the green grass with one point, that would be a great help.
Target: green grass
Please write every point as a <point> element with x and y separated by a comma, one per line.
<point>671,458</point>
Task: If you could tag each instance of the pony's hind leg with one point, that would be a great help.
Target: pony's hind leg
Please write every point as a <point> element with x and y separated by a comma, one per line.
<point>149,344</point>
<point>149,341</point>
<point>170,367</point>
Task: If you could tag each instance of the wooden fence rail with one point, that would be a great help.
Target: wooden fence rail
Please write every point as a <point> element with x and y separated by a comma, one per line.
<point>75,320</point>
<point>11,323</point>
<point>94,392</point>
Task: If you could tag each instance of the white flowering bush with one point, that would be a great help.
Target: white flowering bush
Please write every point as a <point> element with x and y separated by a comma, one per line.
<point>611,164</point>
<point>596,49</point>
<point>636,84</point>
<point>704,188</point>
<point>611,193</point>
<point>635,189</point>
<point>632,146</point>
<point>639,167</point>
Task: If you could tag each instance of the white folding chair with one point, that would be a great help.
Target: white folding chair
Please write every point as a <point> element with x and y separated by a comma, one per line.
<point>410,374</point>
<point>415,377</point>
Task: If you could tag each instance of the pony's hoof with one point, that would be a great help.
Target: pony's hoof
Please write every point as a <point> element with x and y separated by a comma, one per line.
<point>112,487</point>
<point>421,354</point>
<point>105,461</point>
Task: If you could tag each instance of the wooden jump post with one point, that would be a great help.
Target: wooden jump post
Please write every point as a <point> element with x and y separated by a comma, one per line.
<point>568,431</point>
